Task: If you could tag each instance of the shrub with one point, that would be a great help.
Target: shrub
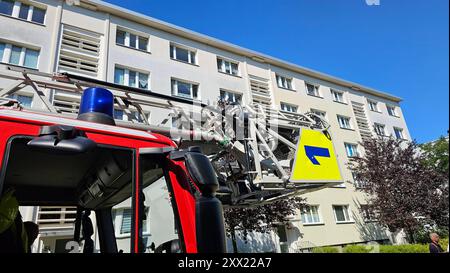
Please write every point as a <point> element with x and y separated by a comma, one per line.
<point>325,249</point>
<point>357,249</point>
<point>410,248</point>
<point>444,243</point>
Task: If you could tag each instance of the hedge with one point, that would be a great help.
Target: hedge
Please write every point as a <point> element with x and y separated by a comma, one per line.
<point>407,248</point>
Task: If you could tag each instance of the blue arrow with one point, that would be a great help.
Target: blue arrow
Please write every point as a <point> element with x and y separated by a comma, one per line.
<point>313,151</point>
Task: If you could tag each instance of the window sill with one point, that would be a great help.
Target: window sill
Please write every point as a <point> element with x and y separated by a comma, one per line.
<point>20,66</point>
<point>315,96</point>
<point>348,129</point>
<point>288,89</point>
<point>136,49</point>
<point>345,222</point>
<point>128,235</point>
<point>143,89</point>
<point>376,111</point>
<point>197,100</point>
<point>184,62</point>
<point>394,116</point>
<point>340,102</point>
<point>23,20</point>
<point>313,224</point>
<point>228,74</point>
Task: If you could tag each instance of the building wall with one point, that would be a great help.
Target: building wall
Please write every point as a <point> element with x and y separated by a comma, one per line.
<point>161,68</point>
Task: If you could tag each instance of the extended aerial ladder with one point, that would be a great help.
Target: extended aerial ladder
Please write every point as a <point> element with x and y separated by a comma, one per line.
<point>252,147</point>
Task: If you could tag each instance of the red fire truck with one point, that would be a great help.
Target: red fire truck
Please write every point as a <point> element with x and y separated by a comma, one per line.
<point>88,162</point>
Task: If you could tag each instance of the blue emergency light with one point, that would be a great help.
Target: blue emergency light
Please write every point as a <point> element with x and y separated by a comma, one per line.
<point>97,105</point>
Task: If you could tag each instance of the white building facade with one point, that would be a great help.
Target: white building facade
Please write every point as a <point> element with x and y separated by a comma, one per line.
<point>99,40</point>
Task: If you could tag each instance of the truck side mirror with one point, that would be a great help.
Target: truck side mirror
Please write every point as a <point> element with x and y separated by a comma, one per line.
<point>201,171</point>
<point>209,220</point>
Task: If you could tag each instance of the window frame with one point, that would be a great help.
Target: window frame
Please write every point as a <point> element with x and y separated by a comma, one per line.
<point>347,119</point>
<point>319,112</point>
<point>401,130</point>
<point>355,150</point>
<point>316,90</point>
<point>223,69</point>
<point>233,93</point>
<point>319,215</point>
<point>16,96</point>
<point>173,54</point>
<point>126,77</point>
<point>8,51</point>
<point>394,110</point>
<point>370,104</point>
<point>192,84</point>
<point>288,81</point>
<point>377,126</point>
<point>289,105</point>
<point>127,41</point>
<point>16,12</point>
<point>346,211</point>
<point>342,93</point>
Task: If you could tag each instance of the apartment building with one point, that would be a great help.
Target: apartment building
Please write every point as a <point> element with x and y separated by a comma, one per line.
<point>99,40</point>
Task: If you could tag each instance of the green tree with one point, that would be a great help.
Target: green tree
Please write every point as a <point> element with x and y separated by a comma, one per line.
<point>262,218</point>
<point>436,156</point>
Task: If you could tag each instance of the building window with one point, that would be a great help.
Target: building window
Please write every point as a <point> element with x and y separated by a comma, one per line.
<point>131,40</point>
<point>24,12</point>
<point>288,107</point>
<point>125,227</point>
<point>344,122</point>
<point>38,15</point>
<point>310,215</point>
<point>368,213</point>
<point>398,133</point>
<point>284,82</point>
<point>183,54</point>
<point>341,213</point>
<point>351,150</point>
<point>6,7</point>
<point>391,110</point>
<point>312,90</point>
<point>14,58</point>
<point>359,184</point>
<point>228,67</point>
<point>373,105</point>
<point>185,89</point>
<point>379,129</point>
<point>25,101</point>
<point>230,96</point>
<point>119,114</point>
<point>131,78</point>
<point>18,55</point>
<point>319,113</point>
<point>2,51</point>
<point>338,96</point>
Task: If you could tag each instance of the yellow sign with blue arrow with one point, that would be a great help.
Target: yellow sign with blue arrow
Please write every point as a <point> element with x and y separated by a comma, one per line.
<point>315,159</point>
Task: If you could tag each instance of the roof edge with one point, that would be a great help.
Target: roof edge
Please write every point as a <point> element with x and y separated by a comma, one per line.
<point>202,38</point>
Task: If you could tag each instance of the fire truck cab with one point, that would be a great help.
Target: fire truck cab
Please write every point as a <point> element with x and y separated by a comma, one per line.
<point>50,160</point>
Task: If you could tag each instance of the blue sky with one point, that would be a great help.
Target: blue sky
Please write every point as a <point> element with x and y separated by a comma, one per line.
<point>400,46</point>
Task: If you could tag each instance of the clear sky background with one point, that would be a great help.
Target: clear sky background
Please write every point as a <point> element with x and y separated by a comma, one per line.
<point>400,47</point>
